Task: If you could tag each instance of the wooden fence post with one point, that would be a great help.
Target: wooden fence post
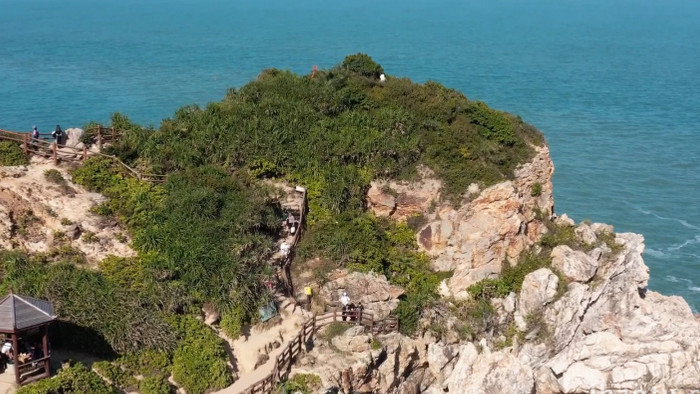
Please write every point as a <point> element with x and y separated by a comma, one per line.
<point>25,144</point>
<point>114,136</point>
<point>85,152</point>
<point>99,138</point>
<point>55,153</point>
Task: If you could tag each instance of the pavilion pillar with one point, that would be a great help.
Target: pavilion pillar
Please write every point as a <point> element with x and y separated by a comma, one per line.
<point>45,346</point>
<point>15,356</point>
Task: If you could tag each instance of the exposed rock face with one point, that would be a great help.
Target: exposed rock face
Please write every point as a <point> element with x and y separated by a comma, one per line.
<point>575,265</point>
<point>401,200</point>
<point>538,289</point>
<point>373,291</point>
<point>498,224</point>
<point>38,216</point>
<point>610,334</point>
<point>473,241</point>
<point>393,368</point>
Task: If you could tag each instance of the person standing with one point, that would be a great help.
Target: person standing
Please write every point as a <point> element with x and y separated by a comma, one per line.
<point>58,134</point>
<point>35,135</point>
<point>308,292</point>
<point>345,300</point>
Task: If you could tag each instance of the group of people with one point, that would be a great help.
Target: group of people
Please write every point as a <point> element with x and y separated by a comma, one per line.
<point>26,352</point>
<point>57,134</point>
<point>351,312</point>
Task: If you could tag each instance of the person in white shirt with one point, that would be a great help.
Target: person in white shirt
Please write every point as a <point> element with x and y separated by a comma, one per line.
<point>345,300</point>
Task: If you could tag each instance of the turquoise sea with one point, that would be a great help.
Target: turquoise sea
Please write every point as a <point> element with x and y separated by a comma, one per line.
<point>614,84</point>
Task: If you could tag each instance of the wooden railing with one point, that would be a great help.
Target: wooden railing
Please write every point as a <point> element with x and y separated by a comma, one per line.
<point>62,152</point>
<point>284,360</point>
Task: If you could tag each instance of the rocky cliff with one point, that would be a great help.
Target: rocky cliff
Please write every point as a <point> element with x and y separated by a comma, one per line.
<point>490,226</point>
<point>585,323</point>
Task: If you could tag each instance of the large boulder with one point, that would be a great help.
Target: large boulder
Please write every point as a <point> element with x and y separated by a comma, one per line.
<point>73,136</point>
<point>488,372</point>
<point>538,289</point>
<point>375,292</point>
<point>573,264</point>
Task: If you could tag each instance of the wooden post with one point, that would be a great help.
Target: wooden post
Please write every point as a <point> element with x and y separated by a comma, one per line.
<point>55,153</point>
<point>85,152</point>
<point>45,346</point>
<point>99,138</point>
<point>15,353</point>
<point>25,144</point>
<point>114,136</point>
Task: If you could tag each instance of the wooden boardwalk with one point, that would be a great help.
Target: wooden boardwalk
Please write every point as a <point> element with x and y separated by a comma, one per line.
<point>285,357</point>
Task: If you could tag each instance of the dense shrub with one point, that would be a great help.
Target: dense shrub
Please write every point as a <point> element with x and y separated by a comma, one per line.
<point>75,379</point>
<point>11,154</point>
<point>97,314</point>
<point>363,64</point>
<point>54,176</point>
<point>362,242</point>
<point>147,364</point>
<point>304,383</point>
<point>154,385</point>
<point>199,362</point>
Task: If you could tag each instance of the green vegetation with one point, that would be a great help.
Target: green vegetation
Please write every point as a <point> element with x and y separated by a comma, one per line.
<point>206,234</point>
<point>365,243</point>
<point>375,344</point>
<point>90,237</point>
<point>54,176</point>
<point>148,364</point>
<point>11,154</point>
<point>199,362</point>
<point>305,383</point>
<point>75,379</point>
<point>536,190</point>
<point>334,329</point>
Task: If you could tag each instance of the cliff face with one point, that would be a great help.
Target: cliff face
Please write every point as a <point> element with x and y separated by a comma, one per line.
<point>491,226</point>
<point>607,331</point>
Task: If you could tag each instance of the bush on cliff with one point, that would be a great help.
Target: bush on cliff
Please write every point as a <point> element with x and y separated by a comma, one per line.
<point>11,154</point>
<point>75,379</point>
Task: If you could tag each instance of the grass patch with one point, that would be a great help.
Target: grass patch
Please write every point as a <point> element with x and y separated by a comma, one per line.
<point>304,383</point>
<point>90,237</point>
<point>54,176</point>
<point>335,329</point>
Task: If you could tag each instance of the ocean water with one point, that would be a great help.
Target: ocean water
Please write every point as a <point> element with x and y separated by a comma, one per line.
<point>613,84</point>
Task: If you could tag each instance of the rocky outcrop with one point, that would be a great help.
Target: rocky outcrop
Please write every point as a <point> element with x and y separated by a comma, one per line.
<point>40,216</point>
<point>609,333</point>
<point>374,291</point>
<point>402,200</point>
<point>490,226</point>
<point>73,137</point>
<point>575,265</point>
<point>538,289</point>
<point>497,225</point>
<point>394,366</point>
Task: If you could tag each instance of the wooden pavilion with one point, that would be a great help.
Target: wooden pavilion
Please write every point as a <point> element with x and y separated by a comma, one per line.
<point>21,318</point>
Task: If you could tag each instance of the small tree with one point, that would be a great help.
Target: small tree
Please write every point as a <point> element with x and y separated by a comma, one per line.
<point>363,64</point>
